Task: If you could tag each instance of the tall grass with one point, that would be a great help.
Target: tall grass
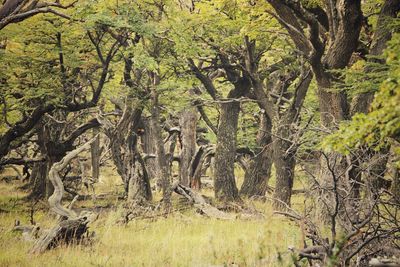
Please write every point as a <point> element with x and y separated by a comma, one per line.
<point>181,239</point>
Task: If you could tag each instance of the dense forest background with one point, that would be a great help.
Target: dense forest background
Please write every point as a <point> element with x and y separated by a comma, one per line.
<point>200,133</point>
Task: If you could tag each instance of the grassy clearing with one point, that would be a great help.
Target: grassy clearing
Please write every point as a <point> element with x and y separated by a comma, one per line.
<point>181,239</point>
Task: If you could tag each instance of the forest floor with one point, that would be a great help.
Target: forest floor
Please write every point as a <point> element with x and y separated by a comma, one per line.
<point>183,238</point>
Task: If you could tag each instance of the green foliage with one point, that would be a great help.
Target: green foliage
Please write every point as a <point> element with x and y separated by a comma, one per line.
<point>383,121</point>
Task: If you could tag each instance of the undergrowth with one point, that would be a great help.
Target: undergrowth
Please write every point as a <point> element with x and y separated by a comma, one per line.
<point>180,239</point>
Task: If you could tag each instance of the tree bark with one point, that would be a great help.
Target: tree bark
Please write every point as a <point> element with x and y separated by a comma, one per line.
<point>39,174</point>
<point>225,153</point>
<point>188,125</point>
<point>198,165</point>
<point>149,148</point>
<point>284,161</point>
<point>258,173</point>
<point>139,184</point>
<point>125,156</point>
<point>395,172</point>
<point>95,153</point>
<point>161,158</point>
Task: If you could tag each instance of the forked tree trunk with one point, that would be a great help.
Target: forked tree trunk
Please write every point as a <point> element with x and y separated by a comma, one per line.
<point>125,156</point>
<point>258,173</point>
<point>198,165</point>
<point>188,125</point>
<point>225,153</point>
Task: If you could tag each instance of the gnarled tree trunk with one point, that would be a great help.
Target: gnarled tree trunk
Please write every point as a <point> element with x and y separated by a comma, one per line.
<point>123,142</point>
<point>258,173</point>
<point>73,226</point>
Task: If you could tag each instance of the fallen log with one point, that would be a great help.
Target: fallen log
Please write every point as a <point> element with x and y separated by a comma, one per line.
<point>382,262</point>
<point>200,203</point>
<point>73,226</point>
<point>65,232</point>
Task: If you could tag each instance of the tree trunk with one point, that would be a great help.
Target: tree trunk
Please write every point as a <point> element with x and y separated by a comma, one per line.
<point>225,153</point>
<point>361,103</point>
<point>258,173</point>
<point>161,158</point>
<point>72,226</point>
<point>395,172</point>
<point>125,155</point>
<point>149,148</point>
<point>199,165</point>
<point>42,187</point>
<point>284,162</point>
<point>334,107</point>
<point>188,125</point>
<point>139,183</point>
<point>169,148</point>
<point>95,156</point>
<point>39,177</point>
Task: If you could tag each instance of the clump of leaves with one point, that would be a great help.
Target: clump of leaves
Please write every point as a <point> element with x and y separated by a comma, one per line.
<point>382,123</point>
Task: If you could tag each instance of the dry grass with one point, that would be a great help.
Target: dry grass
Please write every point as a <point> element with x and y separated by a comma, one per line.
<point>181,239</point>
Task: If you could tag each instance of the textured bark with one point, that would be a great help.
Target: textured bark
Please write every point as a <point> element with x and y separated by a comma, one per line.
<point>169,148</point>
<point>42,187</point>
<point>383,33</point>
<point>161,159</point>
<point>333,106</point>
<point>124,153</point>
<point>14,11</point>
<point>198,165</point>
<point>258,173</point>
<point>395,172</point>
<point>225,153</point>
<point>345,19</point>
<point>39,174</point>
<point>149,148</point>
<point>284,162</point>
<point>139,184</point>
<point>65,232</point>
<point>95,153</point>
<point>188,125</point>
<point>21,128</point>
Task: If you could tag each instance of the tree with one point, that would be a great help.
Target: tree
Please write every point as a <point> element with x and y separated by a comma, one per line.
<point>64,89</point>
<point>14,11</point>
